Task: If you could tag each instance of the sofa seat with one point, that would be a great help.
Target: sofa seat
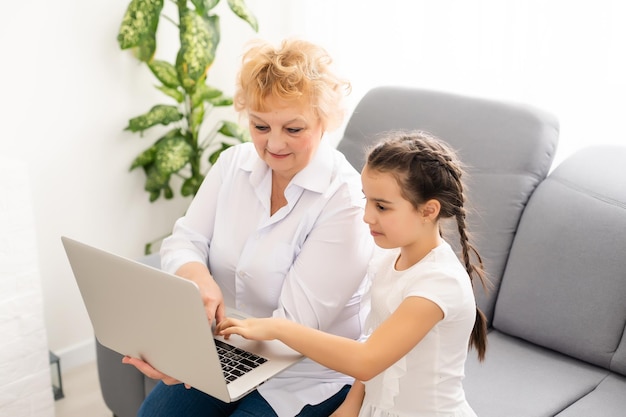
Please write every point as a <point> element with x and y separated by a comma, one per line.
<point>609,396</point>
<point>521,379</point>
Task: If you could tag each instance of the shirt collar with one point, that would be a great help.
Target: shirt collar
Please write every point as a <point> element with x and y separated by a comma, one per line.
<point>316,176</point>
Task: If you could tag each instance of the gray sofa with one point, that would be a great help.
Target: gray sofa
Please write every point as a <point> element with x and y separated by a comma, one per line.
<point>553,245</point>
<point>557,344</point>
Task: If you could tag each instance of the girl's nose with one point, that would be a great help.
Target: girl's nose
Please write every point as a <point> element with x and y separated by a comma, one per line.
<point>367,217</point>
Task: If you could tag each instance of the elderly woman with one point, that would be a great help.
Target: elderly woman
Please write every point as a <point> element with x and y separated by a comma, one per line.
<point>276,230</point>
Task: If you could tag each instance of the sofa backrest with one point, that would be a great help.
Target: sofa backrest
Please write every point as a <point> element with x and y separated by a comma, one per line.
<point>564,286</point>
<point>508,149</point>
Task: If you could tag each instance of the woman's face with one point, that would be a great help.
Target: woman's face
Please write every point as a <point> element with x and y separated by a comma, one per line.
<point>286,136</point>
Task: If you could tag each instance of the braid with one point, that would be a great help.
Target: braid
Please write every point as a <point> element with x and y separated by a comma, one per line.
<point>478,339</point>
<point>427,168</point>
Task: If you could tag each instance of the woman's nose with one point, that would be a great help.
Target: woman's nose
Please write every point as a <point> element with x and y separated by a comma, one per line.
<point>275,142</point>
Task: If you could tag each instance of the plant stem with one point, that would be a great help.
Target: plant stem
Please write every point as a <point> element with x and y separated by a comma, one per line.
<point>211,136</point>
<point>172,21</point>
<point>147,250</point>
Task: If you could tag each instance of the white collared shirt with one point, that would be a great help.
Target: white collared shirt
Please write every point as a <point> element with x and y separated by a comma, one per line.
<point>307,262</point>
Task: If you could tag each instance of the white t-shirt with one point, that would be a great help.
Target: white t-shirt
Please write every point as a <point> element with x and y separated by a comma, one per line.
<point>307,262</point>
<point>427,381</point>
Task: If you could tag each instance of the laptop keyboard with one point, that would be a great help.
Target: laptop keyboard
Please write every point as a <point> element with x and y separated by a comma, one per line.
<point>236,362</point>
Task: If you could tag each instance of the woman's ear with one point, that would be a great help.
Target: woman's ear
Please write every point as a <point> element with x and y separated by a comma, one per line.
<point>431,209</point>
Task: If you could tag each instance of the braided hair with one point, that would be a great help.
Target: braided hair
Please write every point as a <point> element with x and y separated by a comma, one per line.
<point>427,168</point>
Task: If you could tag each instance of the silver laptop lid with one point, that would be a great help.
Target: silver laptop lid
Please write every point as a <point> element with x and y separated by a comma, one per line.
<point>141,311</point>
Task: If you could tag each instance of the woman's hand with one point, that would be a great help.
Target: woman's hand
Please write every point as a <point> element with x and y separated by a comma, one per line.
<point>150,372</point>
<point>253,329</point>
<point>209,290</point>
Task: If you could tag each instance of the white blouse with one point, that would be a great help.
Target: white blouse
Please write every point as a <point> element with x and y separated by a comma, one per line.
<point>307,262</point>
<point>427,381</point>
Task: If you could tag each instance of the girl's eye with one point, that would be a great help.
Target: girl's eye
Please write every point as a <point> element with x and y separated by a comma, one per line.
<point>261,128</point>
<point>380,207</point>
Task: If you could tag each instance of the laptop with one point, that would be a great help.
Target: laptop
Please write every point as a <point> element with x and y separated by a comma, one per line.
<point>143,312</point>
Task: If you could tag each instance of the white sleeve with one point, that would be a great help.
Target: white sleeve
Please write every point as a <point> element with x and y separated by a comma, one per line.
<point>192,233</point>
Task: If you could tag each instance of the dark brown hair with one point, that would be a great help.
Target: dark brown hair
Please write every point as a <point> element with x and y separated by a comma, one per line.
<point>427,168</point>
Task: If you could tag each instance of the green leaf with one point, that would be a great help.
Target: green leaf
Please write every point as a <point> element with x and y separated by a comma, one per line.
<point>204,92</point>
<point>147,156</point>
<point>241,9</point>
<point>139,26</point>
<point>220,101</point>
<point>165,72</point>
<point>168,193</point>
<point>172,92</point>
<point>159,114</point>
<point>144,158</point>
<point>154,195</point>
<point>213,157</point>
<point>172,154</point>
<point>155,180</point>
<point>191,185</point>
<point>234,130</point>
<point>199,38</point>
<point>203,6</point>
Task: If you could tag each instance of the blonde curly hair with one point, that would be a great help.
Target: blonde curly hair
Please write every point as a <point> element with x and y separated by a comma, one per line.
<point>297,70</point>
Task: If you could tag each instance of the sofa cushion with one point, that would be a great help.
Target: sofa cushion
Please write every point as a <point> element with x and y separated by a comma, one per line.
<point>564,286</point>
<point>606,400</point>
<point>508,149</point>
<point>521,379</point>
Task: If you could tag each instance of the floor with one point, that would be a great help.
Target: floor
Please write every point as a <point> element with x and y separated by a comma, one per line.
<point>82,394</point>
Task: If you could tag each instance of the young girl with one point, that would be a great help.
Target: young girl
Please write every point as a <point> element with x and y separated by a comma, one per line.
<point>423,313</point>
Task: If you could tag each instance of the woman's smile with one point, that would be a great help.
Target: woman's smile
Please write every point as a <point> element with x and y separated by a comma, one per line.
<point>278,156</point>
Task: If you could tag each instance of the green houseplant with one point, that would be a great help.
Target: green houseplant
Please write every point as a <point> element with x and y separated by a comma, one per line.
<point>179,153</point>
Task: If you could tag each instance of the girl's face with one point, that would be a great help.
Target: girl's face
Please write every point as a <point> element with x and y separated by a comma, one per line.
<point>392,219</point>
<point>286,136</point>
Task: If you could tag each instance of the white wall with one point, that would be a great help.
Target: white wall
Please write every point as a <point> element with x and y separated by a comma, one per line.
<point>568,57</point>
<point>25,377</point>
<point>68,92</point>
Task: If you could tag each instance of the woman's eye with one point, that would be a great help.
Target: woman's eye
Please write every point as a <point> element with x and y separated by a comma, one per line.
<point>261,128</point>
<point>294,130</point>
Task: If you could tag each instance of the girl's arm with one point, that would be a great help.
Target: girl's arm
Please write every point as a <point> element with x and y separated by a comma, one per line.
<point>404,329</point>
<point>352,404</point>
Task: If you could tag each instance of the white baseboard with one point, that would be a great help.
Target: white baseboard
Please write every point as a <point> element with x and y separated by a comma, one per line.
<point>77,355</point>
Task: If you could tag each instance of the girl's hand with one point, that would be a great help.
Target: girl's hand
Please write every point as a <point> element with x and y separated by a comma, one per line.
<point>150,372</point>
<point>347,409</point>
<point>352,404</point>
<point>253,329</point>
<point>341,412</point>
